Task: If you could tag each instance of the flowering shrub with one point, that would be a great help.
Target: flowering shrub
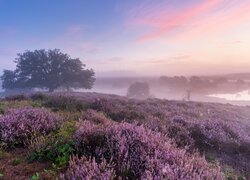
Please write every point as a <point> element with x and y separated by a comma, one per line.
<point>65,103</point>
<point>177,130</point>
<point>117,110</point>
<point>221,128</point>
<point>138,153</point>
<point>95,117</point>
<point>81,168</point>
<point>19,125</point>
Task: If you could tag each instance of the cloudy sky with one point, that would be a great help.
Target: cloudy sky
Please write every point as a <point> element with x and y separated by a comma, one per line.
<point>142,37</point>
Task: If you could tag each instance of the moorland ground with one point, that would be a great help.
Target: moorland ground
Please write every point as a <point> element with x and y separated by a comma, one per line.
<point>91,135</point>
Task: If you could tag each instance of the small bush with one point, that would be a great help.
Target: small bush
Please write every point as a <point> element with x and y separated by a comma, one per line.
<point>80,168</point>
<point>66,130</point>
<point>139,90</point>
<point>39,97</point>
<point>65,103</point>
<point>55,150</point>
<point>117,110</point>
<point>95,117</point>
<point>18,97</point>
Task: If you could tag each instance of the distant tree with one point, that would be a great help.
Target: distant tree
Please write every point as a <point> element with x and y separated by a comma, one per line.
<point>176,82</point>
<point>139,90</point>
<point>49,69</point>
<point>219,81</point>
<point>196,82</point>
<point>240,82</point>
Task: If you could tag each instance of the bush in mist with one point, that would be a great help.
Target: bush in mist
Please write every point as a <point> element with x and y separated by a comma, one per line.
<point>139,90</point>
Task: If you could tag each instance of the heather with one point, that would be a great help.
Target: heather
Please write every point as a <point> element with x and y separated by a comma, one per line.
<point>98,136</point>
<point>18,126</point>
<point>82,168</point>
<point>138,153</point>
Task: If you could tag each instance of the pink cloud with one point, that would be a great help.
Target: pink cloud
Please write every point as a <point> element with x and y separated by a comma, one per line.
<point>193,20</point>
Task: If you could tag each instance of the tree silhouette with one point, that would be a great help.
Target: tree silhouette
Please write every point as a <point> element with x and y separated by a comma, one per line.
<point>49,69</point>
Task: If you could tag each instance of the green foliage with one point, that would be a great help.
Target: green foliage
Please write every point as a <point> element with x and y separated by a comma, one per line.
<point>4,105</point>
<point>16,161</point>
<point>50,171</point>
<point>49,69</point>
<point>57,151</point>
<point>241,178</point>
<point>1,175</point>
<point>2,108</point>
<point>39,99</point>
<point>36,176</point>
<point>36,104</point>
<point>230,174</point>
<point>210,157</point>
<point>67,130</point>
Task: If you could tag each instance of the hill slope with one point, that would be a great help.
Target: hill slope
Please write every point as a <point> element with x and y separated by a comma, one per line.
<point>153,138</point>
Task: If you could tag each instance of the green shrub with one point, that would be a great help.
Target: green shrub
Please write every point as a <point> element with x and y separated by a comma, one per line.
<point>39,97</point>
<point>2,108</point>
<point>57,151</point>
<point>36,176</point>
<point>67,130</point>
<point>16,161</point>
<point>36,104</point>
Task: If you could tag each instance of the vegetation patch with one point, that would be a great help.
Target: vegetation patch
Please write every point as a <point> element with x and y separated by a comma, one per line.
<point>94,135</point>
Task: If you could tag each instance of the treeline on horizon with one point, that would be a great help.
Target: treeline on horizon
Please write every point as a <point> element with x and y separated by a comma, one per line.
<point>202,84</point>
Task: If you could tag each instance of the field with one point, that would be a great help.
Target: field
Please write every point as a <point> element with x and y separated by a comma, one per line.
<point>99,136</point>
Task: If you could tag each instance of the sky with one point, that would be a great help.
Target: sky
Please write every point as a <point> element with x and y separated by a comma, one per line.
<point>132,37</point>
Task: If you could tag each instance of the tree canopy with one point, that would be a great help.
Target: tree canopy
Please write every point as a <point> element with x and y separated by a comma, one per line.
<point>49,69</point>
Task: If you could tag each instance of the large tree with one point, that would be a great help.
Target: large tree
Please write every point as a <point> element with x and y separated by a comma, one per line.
<point>49,69</point>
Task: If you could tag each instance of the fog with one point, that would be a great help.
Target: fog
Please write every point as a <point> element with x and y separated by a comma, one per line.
<point>229,88</point>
